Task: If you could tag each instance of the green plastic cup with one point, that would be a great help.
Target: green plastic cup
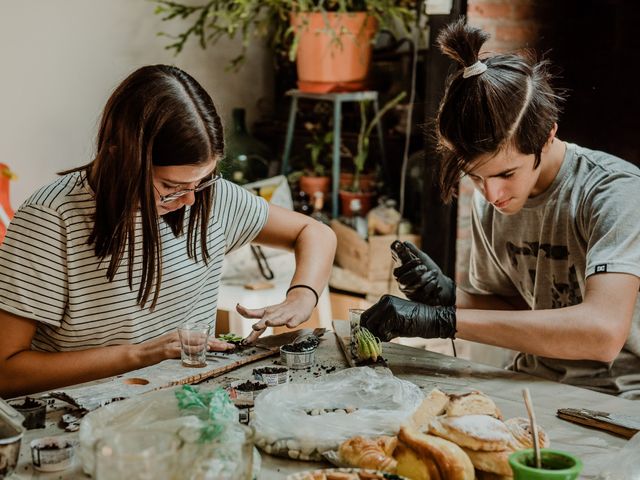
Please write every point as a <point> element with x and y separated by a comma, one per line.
<point>556,465</point>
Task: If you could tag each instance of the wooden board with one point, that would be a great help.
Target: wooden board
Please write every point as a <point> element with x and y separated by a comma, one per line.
<point>164,374</point>
<point>170,373</point>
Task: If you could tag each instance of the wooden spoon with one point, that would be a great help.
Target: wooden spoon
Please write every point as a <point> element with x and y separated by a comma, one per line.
<point>534,427</point>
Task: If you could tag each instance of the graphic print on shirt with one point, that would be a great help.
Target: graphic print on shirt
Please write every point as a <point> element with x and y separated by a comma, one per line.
<point>566,294</point>
<point>565,288</point>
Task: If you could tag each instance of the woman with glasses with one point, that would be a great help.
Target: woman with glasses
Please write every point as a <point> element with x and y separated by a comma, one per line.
<point>99,267</point>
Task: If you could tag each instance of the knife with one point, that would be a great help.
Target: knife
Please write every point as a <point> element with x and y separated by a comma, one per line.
<point>623,425</point>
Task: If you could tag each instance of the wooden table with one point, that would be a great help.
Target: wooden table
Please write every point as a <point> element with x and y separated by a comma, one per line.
<point>429,370</point>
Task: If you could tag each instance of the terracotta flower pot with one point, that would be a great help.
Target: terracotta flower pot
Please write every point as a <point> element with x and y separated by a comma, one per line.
<point>311,185</point>
<point>326,64</point>
<point>367,181</point>
<point>366,201</point>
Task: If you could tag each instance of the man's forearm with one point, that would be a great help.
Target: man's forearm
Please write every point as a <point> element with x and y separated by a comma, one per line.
<point>571,333</point>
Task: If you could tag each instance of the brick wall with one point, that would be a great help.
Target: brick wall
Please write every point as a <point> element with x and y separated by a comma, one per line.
<point>512,24</point>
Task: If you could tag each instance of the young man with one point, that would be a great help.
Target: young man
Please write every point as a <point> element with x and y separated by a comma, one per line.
<point>555,260</point>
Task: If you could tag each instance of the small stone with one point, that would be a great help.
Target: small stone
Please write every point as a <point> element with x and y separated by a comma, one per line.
<point>295,454</point>
<point>292,445</point>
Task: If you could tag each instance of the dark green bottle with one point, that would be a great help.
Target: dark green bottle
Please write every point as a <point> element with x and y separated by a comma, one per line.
<point>246,158</point>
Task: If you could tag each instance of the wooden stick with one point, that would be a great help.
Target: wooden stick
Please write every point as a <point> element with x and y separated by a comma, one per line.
<point>534,427</point>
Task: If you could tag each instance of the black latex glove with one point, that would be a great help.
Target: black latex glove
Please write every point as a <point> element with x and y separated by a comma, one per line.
<point>421,280</point>
<point>396,317</point>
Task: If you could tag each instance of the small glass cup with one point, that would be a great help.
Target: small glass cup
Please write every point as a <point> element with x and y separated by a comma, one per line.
<point>137,455</point>
<point>193,342</point>
<point>354,324</point>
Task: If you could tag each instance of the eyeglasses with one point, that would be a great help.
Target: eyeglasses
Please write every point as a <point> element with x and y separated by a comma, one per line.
<point>175,195</point>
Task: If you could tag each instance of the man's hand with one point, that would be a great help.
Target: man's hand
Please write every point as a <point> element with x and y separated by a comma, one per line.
<point>395,317</point>
<point>421,280</point>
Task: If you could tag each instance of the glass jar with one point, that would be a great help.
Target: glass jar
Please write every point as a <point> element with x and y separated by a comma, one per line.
<point>137,455</point>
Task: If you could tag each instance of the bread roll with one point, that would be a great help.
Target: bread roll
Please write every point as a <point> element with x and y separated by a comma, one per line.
<point>375,454</point>
<point>521,433</point>
<point>477,432</point>
<point>451,461</point>
<point>473,403</point>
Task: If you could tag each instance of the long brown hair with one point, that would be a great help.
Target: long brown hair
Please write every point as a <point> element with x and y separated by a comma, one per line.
<point>159,115</point>
<point>511,102</point>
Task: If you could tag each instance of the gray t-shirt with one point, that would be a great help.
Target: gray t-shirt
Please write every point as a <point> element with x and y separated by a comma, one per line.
<point>585,223</point>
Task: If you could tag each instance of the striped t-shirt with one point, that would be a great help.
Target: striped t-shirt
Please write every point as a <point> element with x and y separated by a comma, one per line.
<point>48,273</point>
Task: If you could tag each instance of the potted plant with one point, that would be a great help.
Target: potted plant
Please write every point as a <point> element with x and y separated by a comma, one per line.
<point>355,190</point>
<point>325,35</point>
<point>314,179</point>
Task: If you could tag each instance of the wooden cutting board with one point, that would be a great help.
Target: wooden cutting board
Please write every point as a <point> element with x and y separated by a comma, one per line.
<point>164,374</point>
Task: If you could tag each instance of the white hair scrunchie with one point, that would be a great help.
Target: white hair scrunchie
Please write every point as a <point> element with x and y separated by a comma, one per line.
<point>477,68</point>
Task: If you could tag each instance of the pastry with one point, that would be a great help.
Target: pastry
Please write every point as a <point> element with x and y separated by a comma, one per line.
<point>498,461</point>
<point>451,461</point>
<point>414,466</point>
<point>473,403</point>
<point>433,405</point>
<point>369,453</point>
<point>493,462</point>
<point>477,432</point>
<point>387,444</point>
<point>521,432</point>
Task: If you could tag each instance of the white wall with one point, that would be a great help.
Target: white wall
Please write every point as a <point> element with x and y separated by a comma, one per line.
<point>61,59</point>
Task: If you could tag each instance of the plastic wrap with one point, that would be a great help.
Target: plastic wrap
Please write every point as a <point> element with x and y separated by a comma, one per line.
<point>302,420</point>
<point>204,420</point>
<point>624,464</point>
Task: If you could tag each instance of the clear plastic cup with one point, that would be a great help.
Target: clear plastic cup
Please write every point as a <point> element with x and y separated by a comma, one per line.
<point>354,325</point>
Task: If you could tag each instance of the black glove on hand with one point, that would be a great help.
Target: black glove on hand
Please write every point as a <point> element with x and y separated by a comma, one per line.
<point>395,317</point>
<point>421,280</point>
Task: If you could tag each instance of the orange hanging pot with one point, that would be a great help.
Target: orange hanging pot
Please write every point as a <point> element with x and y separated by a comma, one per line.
<point>334,50</point>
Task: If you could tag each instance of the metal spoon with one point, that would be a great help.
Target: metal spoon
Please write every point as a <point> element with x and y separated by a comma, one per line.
<point>534,428</point>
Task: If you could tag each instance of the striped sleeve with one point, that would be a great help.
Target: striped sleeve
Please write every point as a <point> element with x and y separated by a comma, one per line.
<point>33,265</point>
<point>239,213</point>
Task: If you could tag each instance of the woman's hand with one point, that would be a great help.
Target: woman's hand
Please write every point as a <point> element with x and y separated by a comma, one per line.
<point>216,345</point>
<point>296,309</point>
<point>168,346</point>
<point>160,348</point>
